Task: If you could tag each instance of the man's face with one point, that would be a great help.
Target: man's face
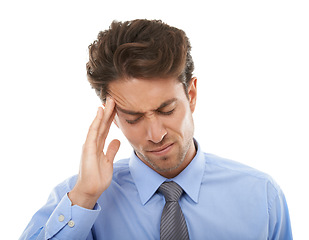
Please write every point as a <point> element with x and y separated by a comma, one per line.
<point>156,118</point>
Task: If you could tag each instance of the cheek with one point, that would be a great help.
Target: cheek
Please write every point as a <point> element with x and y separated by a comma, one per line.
<point>183,123</point>
<point>132,133</point>
<point>176,124</point>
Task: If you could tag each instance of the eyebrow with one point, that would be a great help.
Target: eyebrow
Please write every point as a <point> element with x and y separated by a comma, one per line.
<point>163,105</point>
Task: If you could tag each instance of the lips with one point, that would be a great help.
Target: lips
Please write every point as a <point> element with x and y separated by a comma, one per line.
<point>162,150</point>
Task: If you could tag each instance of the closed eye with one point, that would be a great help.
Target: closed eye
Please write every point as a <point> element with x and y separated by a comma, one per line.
<point>160,112</point>
<point>133,121</point>
<point>167,113</point>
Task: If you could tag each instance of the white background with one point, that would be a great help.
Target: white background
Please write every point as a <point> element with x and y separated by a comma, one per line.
<point>252,65</point>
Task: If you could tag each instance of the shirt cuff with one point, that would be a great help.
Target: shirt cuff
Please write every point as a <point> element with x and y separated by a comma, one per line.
<point>71,222</point>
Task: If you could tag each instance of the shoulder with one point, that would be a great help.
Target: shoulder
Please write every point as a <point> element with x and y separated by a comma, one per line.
<point>121,166</point>
<point>122,171</point>
<point>66,186</point>
<point>122,163</point>
<point>231,168</point>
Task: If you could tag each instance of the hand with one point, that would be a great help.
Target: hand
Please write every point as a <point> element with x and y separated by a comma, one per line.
<point>96,169</point>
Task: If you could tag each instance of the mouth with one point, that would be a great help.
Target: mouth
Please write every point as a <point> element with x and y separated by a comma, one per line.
<point>162,150</point>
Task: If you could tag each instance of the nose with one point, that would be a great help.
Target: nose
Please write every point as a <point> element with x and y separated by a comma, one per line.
<point>155,130</point>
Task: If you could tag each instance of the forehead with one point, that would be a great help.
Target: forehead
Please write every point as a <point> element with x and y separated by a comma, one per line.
<point>144,95</point>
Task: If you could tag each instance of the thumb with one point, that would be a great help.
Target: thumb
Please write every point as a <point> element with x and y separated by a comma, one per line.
<point>112,150</point>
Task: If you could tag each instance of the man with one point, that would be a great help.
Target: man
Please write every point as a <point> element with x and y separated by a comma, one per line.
<point>142,72</point>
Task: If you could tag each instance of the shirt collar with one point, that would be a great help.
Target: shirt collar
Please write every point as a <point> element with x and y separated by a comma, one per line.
<point>147,180</point>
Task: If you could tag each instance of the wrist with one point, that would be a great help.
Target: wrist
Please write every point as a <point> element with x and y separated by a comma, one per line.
<point>82,200</point>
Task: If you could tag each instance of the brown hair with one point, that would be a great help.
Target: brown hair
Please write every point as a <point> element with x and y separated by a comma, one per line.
<point>139,49</point>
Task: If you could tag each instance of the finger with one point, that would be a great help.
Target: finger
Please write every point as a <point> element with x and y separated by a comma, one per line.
<point>94,127</point>
<point>112,150</point>
<point>108,116</point>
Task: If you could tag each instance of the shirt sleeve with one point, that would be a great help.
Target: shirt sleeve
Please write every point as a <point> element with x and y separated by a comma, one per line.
<point>58,219</point>
<point>279,218</point>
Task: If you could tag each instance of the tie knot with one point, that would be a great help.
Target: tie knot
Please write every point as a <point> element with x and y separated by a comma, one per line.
<point>171,191</point>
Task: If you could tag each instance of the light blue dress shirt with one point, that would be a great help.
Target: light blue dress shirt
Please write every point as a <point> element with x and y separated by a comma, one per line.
<point>223,200</point>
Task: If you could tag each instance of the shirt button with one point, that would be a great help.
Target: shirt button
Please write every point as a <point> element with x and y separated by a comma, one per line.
<point>61,218</point>
<point>71,223</point>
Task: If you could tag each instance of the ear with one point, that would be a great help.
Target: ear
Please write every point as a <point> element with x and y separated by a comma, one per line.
<point>192,93</point>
